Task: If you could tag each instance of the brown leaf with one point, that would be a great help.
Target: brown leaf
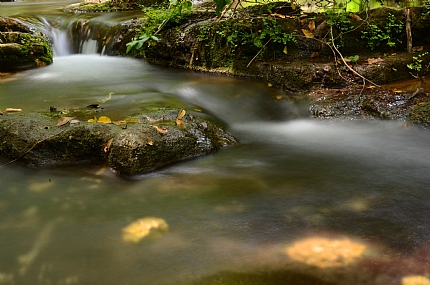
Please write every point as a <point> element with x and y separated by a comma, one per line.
<point>311,25</point>
<point>417,49</point>
<point>308,34</point>
<point>374,60</point>
<point>12,110</point>
<point>355,17</point>
<point>95,106</point>
<point>161,130</point>
<point>150,142</point>
<point>63,120</point>
<point>107,145</point>
<point>302,22</point>
<point>179,122</point>
<point>314,55</point>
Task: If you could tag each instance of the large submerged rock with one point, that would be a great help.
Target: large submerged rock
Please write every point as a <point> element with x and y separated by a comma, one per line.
<point>133,146</point>
<point>21,48</point>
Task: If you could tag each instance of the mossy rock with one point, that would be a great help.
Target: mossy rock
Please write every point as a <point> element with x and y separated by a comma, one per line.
<point>21,49</point>
<point>146,142</point>
<point>420,114</point>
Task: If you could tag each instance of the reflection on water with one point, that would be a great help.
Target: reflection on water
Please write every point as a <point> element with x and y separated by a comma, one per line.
<point>350,194</point>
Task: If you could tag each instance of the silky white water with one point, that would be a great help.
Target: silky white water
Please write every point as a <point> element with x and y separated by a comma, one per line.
<point>232,216</point>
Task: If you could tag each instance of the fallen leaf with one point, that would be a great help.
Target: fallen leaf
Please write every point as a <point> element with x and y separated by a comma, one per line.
<point>74,122</point>
<point>150,142</point>
<point>119,123</point>
<point>311,25</point>
<point>141,228</point>
<point>12,110</point>
<point>314,55</point>
<point>63,120</point>
<point>285,51</point>
<point>181,114</point>
<point>93,120</point>
<point>302,22</point>
<point>374,60</point>
<point>107,145</point>
<point>1,113</point>
<point>161,130</point>
<point>279,97</point>
<point>107,98</point>
<point>179,122</point>
<point>308,34</point>
<point>64,112</point>
<point>104,120</point>
<point>95,106</point>
<point>355,17</point>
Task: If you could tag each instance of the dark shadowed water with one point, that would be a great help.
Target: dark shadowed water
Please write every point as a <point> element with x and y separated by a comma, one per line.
<point>297,202</point>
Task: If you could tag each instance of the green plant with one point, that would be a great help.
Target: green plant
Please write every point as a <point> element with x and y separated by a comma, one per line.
<point>155,21</point>
<point>341,23</point>
<point>417,62</point>
<point>390,34</point>
<point>426,13</point>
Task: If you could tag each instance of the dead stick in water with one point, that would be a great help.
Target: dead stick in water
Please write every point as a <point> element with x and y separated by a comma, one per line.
<point>38,142</point>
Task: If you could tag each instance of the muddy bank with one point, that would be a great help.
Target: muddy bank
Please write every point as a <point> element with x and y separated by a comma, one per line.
<point>131,146</point>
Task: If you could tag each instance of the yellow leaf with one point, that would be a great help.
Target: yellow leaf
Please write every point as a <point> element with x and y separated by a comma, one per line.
<point>285,51</point>
<point>104,120</point>
<point>293,5</point>
<point>63,120</point>
<point>150,142</point>
<point>308,34</point>
<point>93,120</point>
<point>311,25</point>
<point>181,114</point>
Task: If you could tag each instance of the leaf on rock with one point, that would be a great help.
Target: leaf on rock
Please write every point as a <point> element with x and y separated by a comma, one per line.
<point>119,123</point>
<point>104,120</point>
<point>181,114</point>
<point>161,130</point>
<point>107,145</point>
<point>308,34</point>
<point>93,120</point>
<point>311,25</point>
<point>150,142</point>
<point>63,120</point>
<point>179,122</point>
<point>374,60</point>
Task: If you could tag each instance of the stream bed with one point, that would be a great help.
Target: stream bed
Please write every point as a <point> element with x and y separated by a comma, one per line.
<point>299,201</point>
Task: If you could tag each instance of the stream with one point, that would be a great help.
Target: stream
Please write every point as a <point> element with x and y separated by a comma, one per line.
<point>299,201</point>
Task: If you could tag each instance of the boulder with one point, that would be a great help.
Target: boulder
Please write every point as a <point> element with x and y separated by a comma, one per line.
<point>21,48</point>
<point>132,146</point>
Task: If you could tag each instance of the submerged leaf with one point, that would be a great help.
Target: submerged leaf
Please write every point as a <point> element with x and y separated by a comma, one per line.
<point>63,120</point>
<point>12,110</point>
<point>133,120</point>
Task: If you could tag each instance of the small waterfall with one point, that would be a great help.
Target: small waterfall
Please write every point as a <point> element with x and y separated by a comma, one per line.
<point>78,34</point>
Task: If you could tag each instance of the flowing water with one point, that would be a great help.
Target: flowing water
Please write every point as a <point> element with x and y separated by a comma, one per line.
<point>297,202</point>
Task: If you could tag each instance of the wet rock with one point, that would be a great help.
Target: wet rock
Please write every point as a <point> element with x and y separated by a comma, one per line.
<point>147,142</point>
<point>420,114</point>
<point>21,48</point>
